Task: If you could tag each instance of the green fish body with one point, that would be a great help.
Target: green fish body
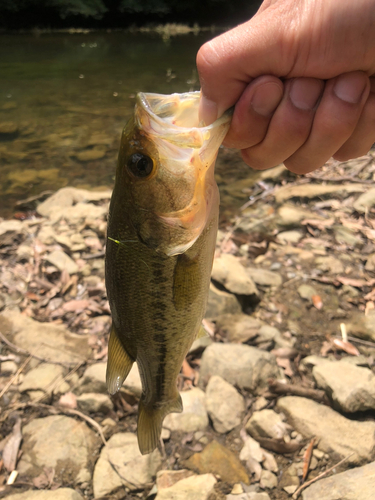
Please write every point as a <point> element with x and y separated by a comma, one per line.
<point>161,238</point>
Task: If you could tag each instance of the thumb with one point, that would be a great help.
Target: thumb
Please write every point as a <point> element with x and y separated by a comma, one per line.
<point>228,63</point>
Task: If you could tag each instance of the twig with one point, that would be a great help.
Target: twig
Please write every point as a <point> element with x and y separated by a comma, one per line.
<point>10,382</point>
<point>343,332</point>
<point>281,388</point>
<point>305,485</point>
<point>19,350</point>
<point>360,341</point>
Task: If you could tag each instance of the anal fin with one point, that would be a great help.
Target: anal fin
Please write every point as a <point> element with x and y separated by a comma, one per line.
<point>119,363</point>
<point>150,421</point>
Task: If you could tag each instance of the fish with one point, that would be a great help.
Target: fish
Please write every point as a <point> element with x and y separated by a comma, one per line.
<point>161,235</point>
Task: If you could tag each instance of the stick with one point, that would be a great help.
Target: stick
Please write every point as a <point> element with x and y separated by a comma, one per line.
<point>305,485</point>
<point>10,382</point>
<point>280,388</point>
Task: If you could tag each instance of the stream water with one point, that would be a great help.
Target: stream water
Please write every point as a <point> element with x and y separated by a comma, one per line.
<point>64,99</point>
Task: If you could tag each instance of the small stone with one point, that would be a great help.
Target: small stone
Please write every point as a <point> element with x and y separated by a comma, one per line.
<point>8,367</point>
<point>59,494</point>
<point>260,403</point>
<point>267,424</point>
<point>263,277</point>
<point>167,478</point>
<point>290,236</point>
<point>224,404</point>
<point>241,365</point>
<point>84,476</point>
<point>218,460</point>
<point>329,264</point>
<point>269,462</point>
<point>91,154</point>
<point>251,495</point>
<point>191,488</point>
<point>268,480</point>
<point>291,489</point>
<point>370,263</point>
<point>220,302</point>
<point>365,201</point>
<point>121,465</point>
<point>238,328</point>
<point>45,377</point>
<point>94,379</point>
<point>306,292</point>
<point>252,449</point>
<point>291,216</point>
<point>318,453</point>
<point>95,403</point>
<point>62,261</point>
<point>8,128</point>
<point>228,271</point>
<point>237,489</point>
<point>362,326</point>
<point>165,434</point>
<point>194,416</point>
<point>289,480</point>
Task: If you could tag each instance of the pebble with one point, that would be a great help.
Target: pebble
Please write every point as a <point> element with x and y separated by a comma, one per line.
<point>56,441</point>
<point>220,302</point>
<point>329,264</point>
<point>268,424</point>
<point>228,271</point>
<point>224,404</point>
<point>354,484</point>
<point>306,292</point>
<point>8,128</point>
<point>59,494</point>
<point>268,480</point>
<point>167,478</point>
<point>238,328</point>
<point>241,365</point>
<point>91,154</point>
<point>218,460</point>
<point>194,417</point>
<point>249,496</point>
<point>292,236</point>
<point>8,367</point>
<point>351,388</point>
<point>62,261</point>
<point>45,377</point>
<point>121,464</point>
<point>95,403</point>
<point>336,435</point>
<point>94,380</point>
<point>362,326</point>
<point>263,277</point>
<point>365,201</point>
<point>191,488</point>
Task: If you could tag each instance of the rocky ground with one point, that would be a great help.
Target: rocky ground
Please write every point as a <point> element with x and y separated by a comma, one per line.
<point>280,392</point>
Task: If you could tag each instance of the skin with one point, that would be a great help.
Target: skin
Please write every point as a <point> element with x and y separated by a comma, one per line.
<point>301,74</point>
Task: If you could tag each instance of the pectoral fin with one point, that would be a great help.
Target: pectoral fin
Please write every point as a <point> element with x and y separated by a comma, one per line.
<point>186,281</point>
<point>119,363</point>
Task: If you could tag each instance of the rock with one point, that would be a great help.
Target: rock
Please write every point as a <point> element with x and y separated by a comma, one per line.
<point>249,496</point>
<point>268,480</point>
<point>354,484</point>
<point>95,403</point>
<point>346,235</point>
<point>167,478</point>
<point>289,480</point>
<point>220,302</point>
<point>57,441</point>
<point>306,292</point>
<point>8,128</point>
<point>51,342</point>
<point>91,154</point>
<point>336,435</point>
<point>8,367</point>
<point>59,494</point>
<point>68,197</point>
<point>329,264</point>
<point>271,336</point>
<point>252,449</point>
<point>194,416</point>
<point>290,236</point>
<point>62,261</point>
<point>241,365</point>
<point>94,380</point>
<point>228,271</point>
<point>218,460</point>
<point>362,326</point>
<point>369,266</point>
<point>11,226</point>
<point>200,344</point>
<point>121,464</point>
<point>192,488</point>
<point>44,377</point>
<point>224,404</point>
<point>291,216</point>
<point>237,327</point>
<point>263,277</point>
<point>268,424</point>
<point>351,388</point>
<point>365,201</point>
<point>314,190</point>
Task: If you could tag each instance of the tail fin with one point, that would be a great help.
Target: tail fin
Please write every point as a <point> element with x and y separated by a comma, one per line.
<point>119,363</point>
<point>150,421</point>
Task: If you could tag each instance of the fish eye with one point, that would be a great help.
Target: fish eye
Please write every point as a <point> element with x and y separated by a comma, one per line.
<point>140,165</point>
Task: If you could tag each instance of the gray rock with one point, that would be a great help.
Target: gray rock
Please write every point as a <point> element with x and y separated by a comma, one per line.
<point>238,327</point>
<point>95,403</point>
<point>52,342</point>
<point>45,377</point>
<point>354,484</point>
<point>224,404</point>
<point>306,292</point>
<point>194,416</point>
<point>252,495</point>
<point>62,261</point>
<point>59,494</point>
<point>362,326</point>
<point>329,264</point>
<point>59,442</point>
<point>241,365</point>
<point>94,380</point>
<point>351,388</point>
<point>228,271</point>
<point>336,435</point>
<point>220,302</point>
<point>268,480</point>
<point>268,424</point>
<point>192,488</point>
<point>263,277</point>
<point>121,464</point>
<point>365,201</point>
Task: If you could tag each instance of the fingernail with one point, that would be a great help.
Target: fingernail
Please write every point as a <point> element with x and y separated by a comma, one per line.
<point>208,111</point>
<point>350,87</point>
<point>305,92</point>
<point>266,99</point>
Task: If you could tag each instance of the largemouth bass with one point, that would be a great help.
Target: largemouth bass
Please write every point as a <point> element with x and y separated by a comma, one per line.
<point>161,237</point>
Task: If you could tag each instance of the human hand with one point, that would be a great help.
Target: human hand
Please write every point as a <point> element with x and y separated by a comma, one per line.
<point>301,74</point>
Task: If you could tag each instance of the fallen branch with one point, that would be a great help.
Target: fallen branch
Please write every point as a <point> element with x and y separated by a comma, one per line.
<point>10,382</point>
<point>305,485</point>
<point>278,387</point>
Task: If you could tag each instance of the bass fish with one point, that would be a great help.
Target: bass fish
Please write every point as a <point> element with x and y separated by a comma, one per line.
<point>161,236</point>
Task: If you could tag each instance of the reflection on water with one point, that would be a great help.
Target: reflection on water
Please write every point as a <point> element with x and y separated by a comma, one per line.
<point>64,100</point>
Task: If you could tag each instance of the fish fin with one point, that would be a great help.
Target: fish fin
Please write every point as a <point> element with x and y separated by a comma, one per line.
<point>150,421</point>
<point>202,332</point>
<point>119,363</point>
<point>185,281</point>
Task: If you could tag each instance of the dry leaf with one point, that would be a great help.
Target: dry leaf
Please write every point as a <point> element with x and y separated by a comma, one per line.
<point>357,283</point>
<point>68,400</point>
<point>346,346</point>
<point>11,448</point>
<point>307,459</point>
<point>76,305</point>
<point>317,301</point>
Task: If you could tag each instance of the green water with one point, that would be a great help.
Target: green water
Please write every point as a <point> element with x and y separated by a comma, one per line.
<point>64,99</point>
